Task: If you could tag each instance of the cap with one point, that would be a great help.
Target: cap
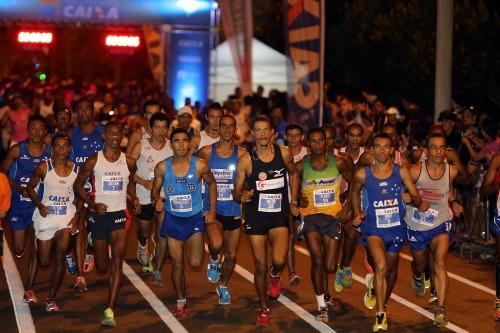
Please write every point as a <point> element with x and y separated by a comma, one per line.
<point>392,111</point>
<point>185,110</point>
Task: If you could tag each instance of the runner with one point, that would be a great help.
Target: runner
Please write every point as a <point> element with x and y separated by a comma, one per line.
<point>368,159</point>
<point>210,134</point>
<point>55,215</point>
<point>383,228</point>
<point>148,153</point>
<point>267,208</point>
<point>491,184</point>
<point>150,108</point>
<point>180,177</point>
<point>20,162</point>
<point>112,174</point>
<point>223,236</point>
<point>318,176</point>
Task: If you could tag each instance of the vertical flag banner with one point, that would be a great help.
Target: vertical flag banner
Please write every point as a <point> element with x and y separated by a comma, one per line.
<point>155,45</point>
<point>237,22</point>
<point>304,35</point>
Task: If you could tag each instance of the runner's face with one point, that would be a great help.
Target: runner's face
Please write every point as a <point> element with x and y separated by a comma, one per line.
<point>390,131</point>
<point>263,133</point>
<point>37,131</point>
<point>159,130</point>
<point>85,112</point>
<point>227,128</point>
<point>330,139</point>
<point>294,137</point>
<point>150,111</point>
<point>63,120</point>
<point>382,150</point>
<point>354,137</point>
<point>437,149</point>
<point>113,136</point>
<point>317,143</point>
<point>181,144</point>
<point>61,148</point>
<point>185,120</point>
<point>213,118</point>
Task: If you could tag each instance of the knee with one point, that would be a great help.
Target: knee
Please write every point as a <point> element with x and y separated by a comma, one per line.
<point>381,268</point>
<point>260,267</point>
<point>196,262</point>
<point>229,259</point>
<point>439,266</point>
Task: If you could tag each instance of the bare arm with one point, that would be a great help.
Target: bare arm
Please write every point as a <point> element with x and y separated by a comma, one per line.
<point>366,159</point>
<point>195,142</point>
<point>244,169</point>
<point>38,174</point>
<point>488,186</point>
<point>346,167</point>
<point>157,184</point>
<point>132,167</point>
<point>12,155</point>
<point>412,189</point>
<point>357,184</point>
<point>135,137</point>
<point>295,182</point>
<point>84,174</point>
<point>207,176</point>
<point>453,159</point>
<point>135,153</point>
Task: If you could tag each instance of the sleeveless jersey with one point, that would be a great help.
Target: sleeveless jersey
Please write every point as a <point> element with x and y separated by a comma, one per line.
<point>182,193</point>
<point>146,163</point>
<point>270,185</point>
<point>110,182</point>
<point>321,188</point>
<point>206,140</point>
<point>58,197</point>
<point>144,133</point>
<point>343,150</point>
<point>436,192</point>
<point>20,171</point>
<point>300,155</point>
<point>384,207</point>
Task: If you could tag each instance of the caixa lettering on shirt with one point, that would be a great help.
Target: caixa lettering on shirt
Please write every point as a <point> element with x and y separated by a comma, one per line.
<point>120,220</point>
<point>385,203</point>
<point>58,198</point>
<point>80,159</point>
<point>24,179</point>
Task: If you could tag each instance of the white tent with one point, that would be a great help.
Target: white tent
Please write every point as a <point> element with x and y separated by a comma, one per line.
<point>268,70</point>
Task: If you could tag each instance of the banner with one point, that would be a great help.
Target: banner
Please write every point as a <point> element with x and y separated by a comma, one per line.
<point>155,45</point>
<point>188,66</point>
<point>237,22</point>
<point>304,35</point>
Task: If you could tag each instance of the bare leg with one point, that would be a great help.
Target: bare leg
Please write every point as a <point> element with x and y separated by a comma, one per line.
<point>61,245</point>
<point>231,241</point>
<point>118,242</point>
<point>376,248</point>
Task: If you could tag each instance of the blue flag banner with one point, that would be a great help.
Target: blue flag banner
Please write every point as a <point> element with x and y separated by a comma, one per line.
<point>304,34</point>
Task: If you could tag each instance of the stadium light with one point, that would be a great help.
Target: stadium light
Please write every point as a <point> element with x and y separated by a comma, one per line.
<point>123,41</point>
<point>34,37</point>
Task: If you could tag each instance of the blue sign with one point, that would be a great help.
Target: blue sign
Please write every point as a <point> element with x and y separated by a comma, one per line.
<point>188,12</point>
<point>188,65</point>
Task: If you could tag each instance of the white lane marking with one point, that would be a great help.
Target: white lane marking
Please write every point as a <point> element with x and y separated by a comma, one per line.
<point>398,299</point>
<point>153,300</point>
<point>21,309</point>
<point>459,278</point>
<point>294,307</point>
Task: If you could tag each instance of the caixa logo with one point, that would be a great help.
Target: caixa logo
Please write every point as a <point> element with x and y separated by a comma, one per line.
<point>121,220</point>
<point>24,179</point>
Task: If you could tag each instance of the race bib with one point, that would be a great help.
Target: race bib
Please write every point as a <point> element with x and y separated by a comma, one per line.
<point>324,197</point>
<point>387,217</point>
<point>181,203</point>
<point>426,218</point>
<point>111,184</point>
<point>225,192</point>
<point>21,198</point>
<point>222,174</point>
<point>269,203</point>
<point>58,210</point>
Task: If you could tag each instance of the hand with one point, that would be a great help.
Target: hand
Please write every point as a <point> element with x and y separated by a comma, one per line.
<point>210,218</point>
<point>136,205</point>
<point>24,192</point>
<point>44,211</point>
<point>407,197</point>
<point>148,185</point>
<point>247,196</point>
<point>457,208</point>
<point>74,223</point>
<point>465,140</point>
<point>358,219</point>
<point>294,209</point>
<point>304,203</point>
<point>343,215</point>
<point>159,205</point>
<point>100,208</point>
<point>424,206</point>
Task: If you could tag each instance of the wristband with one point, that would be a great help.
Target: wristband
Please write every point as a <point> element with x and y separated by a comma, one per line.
<point>452,201</point>
<point>293,202</point>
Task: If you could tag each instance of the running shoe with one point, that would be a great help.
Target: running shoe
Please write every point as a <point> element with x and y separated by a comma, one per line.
<point>427,282</point>
<point>50,305</point>
<point>497,309</point>
<point>347,278</point>
<point>109,318</point>
<point>88,263</point>
<point>180,310</point>
<point>274,288</point>
<point>224,297</point>
<point>328,301</point>
<point>213,271</point>
<point>70,264</point>
<point>322,314</point>
<point>293,279</point>
<point>143,253</point>
<point>80,285</point>
<point>263,317</point>
<point>440,318</point>
<point>380,322</point>
<point>418,286</point>
<point>30,296</point>
<point>157,279</point>
<point>369,298</point>
<point>433,298</point>
<point>337,284</point>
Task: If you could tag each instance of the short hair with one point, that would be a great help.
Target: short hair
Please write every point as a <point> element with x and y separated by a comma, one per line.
<point>390,125</point>
<point>110,124</point>
<point>37,117</point>
<point>60,136</point>
<point>148,103</point>
<point>61,110</point>
<point>215,106</point>
<point>316,130</point>
<point>447,115</point>
<point>177,131</point>
<point>436,127</point>
<point>381,136</point>
<point>157,117</point>
<point>228,116</point>
<point>354,125</point>
<point>294,127</point>
<point>265,119</point>
<point>83,100</point>
<point>330,127</point>
<point>435,135</point>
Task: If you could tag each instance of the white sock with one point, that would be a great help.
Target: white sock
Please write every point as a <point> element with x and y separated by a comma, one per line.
<point>321,301</point>
<point>214,261</point>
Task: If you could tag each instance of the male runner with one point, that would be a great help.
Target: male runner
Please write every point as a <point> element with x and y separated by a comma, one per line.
<point>55,215</point>
<point>265,170</point>
<point>383,228</point>
<point>210,134</point>
<point>224,235</point>
<point>150,108</point>
<point>180,177</point>
<point>112,174</point>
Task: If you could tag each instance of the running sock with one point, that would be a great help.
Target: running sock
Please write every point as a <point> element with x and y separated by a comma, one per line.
<point>321,301</point>
<point>498,280</point>
<point>271,273</point>
<point>418,278</point>
<point>214,261</point>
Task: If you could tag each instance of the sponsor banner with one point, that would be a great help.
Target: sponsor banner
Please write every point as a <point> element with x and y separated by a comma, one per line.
<point>155,45</point>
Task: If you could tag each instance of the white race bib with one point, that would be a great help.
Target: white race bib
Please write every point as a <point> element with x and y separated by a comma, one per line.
<point>112,184</point>
<point>58,210</point>
<point>181,203</point>
<point>426,218</point>
<point>387,217</point>
<point>324,197</point>
<point>269,203</point>
<point>225,192</point>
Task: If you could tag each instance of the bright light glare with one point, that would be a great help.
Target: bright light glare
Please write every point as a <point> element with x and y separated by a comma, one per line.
<point>122,40</point>
<point>34,37</point>
<point>190,6</point>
